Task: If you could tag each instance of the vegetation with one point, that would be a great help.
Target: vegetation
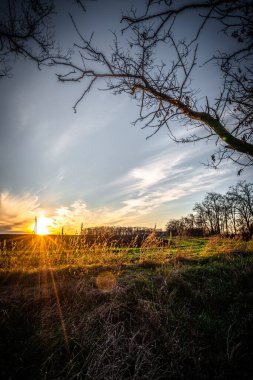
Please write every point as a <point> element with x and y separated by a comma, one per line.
<point>118,303</point>
<point>71,312</point>
<point>164,86</point>
<point>25,30</point>
<point>228,215</point>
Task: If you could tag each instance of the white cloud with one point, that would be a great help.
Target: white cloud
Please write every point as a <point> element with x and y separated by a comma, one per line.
<point>17,211</point>
<point>142,191</point>
<point>154,172</point>
<point>130,210</point>
<point>157,170</point>
<point>161,180</point>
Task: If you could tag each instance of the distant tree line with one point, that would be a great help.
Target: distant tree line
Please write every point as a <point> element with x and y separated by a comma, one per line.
<point>229,215</point>
<point>119,236</point>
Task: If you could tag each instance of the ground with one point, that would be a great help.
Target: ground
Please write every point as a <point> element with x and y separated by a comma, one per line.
<point>178,312</point>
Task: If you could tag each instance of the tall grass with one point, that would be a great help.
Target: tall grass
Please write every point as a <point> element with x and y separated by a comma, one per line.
<point>78,312</point>
<point>56,252</point>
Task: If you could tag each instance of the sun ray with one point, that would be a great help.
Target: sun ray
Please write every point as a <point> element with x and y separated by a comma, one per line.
<point>42,225</point>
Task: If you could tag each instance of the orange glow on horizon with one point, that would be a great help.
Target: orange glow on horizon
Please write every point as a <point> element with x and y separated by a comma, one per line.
<point>42,225</point>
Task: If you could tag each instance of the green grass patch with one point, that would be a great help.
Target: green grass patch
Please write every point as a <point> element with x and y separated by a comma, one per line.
<point>140,314</point>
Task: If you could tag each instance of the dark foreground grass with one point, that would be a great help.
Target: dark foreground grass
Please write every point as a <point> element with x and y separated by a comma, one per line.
<point>185,319</point>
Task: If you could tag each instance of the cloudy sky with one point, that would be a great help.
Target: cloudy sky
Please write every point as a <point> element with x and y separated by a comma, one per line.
<point>93,166</point>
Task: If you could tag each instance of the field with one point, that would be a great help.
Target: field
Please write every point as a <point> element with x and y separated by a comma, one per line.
<point>70,311</point>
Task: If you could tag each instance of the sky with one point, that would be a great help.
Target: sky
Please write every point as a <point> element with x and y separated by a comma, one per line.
<point>93,166</point>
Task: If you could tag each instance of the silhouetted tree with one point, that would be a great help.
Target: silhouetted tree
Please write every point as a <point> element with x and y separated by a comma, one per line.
<point>229,214</point>
<point>163,89</point>
<point>185,226</point>
<point>242,197</point>
<point>26,30</point>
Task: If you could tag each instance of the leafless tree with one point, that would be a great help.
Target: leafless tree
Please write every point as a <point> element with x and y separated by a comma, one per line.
<point>164,89</point>
<point>241,196</point>
<point>26,30</point>
<point>231,213</point>
<point>186,226</point>
<point>209,212</point>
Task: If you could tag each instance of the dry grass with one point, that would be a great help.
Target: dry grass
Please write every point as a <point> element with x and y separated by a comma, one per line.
<point>118,314</point>
<point>57,253</point>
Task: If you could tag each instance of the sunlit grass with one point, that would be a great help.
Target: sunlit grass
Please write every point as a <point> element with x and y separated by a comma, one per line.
<point>74,311</point>
<point>38,252</point>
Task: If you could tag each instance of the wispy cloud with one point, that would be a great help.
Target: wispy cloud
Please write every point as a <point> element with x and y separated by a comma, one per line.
<point>17,211</point>
<point>141,198</point>
<point>144,202</point>
<point>141,192</point>
<point>160,180</point>
<point>71,217</point>
<point>156,171</point>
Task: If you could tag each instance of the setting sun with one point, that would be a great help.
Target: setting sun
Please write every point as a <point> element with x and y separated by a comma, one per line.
<point>43,225</point>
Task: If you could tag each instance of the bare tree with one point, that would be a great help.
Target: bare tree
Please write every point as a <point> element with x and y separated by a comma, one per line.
<point>241,195</point>
<point>25,30</point>
<point>229,214</point>
<point>163,89</point>
<point>186,226</point>
<point>209,212</point>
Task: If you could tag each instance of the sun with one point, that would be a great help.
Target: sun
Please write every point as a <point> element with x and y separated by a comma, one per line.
<point>43,225</point>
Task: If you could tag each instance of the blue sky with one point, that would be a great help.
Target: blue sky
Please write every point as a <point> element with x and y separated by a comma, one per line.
<point>92,166</point>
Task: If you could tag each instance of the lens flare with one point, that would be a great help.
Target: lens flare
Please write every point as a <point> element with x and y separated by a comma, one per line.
<point>106,281</point>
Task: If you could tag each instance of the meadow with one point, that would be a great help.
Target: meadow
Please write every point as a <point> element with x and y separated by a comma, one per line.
<point>73,311</point>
